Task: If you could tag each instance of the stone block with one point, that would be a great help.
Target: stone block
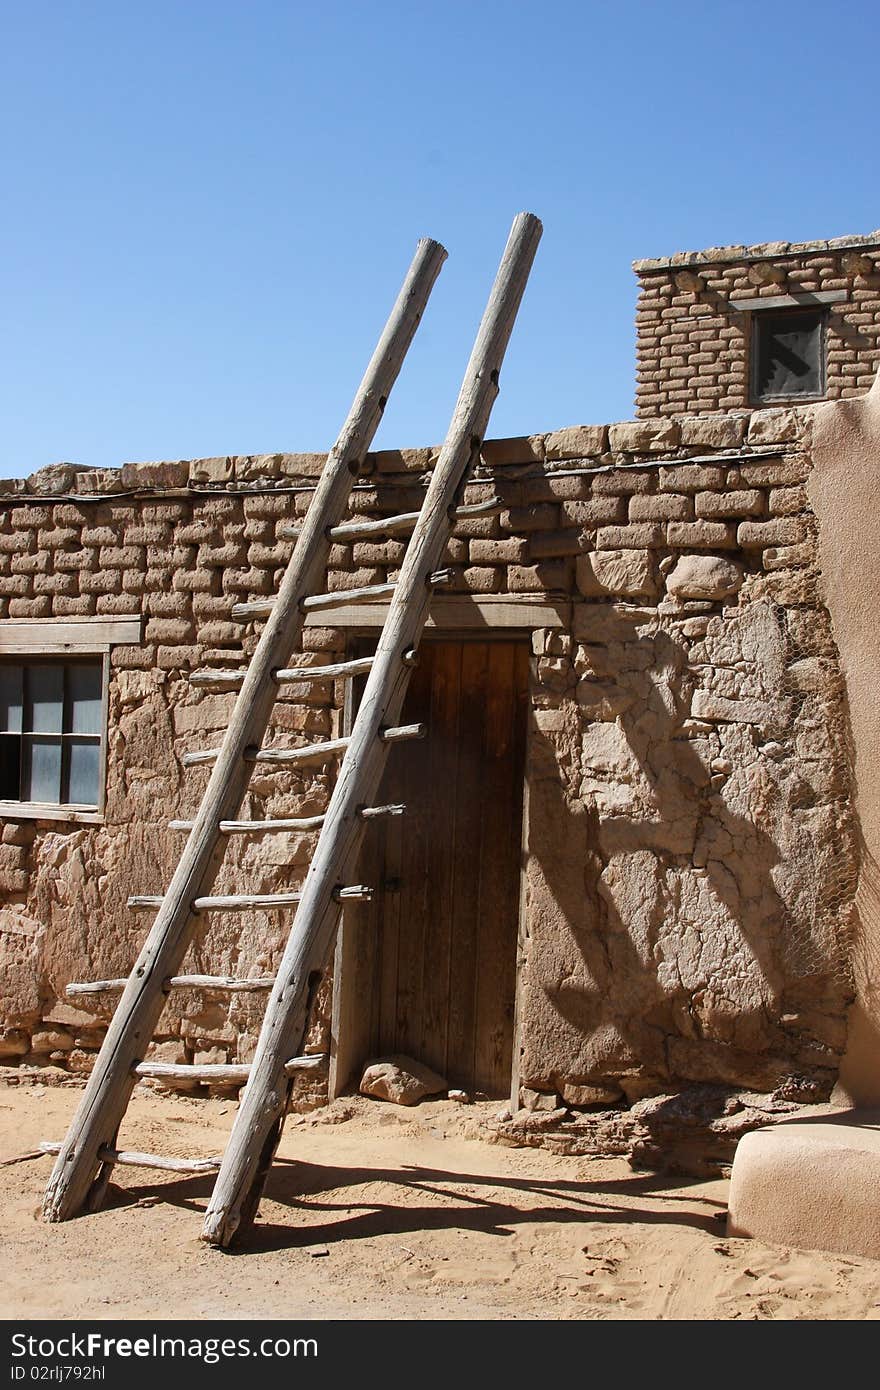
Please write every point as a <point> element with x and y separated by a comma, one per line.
<point>788,530</point>
<point>768,714</point>
<point>542,578</point>
<point>622,482</point>
<point>498,552</point>
<point>540,517</point>
<point>54,479</point>
<point>547,544</point>
<point>713,431</point>
<point>700,535</point>
<point>577,441</point>
<point>787,501</point>
<point>739,502</point>
<point>154,475</point>
<point>483,579</point>
<point>596,511</point>
<point>621,572</point>
<point>213,470</point>
<point>773,427</point>
<point>672,506</point>
<point>704,577</point>
<point>691,477</point>
<point>650,535</point>
<point>497,453</point>
<point>644,436</point>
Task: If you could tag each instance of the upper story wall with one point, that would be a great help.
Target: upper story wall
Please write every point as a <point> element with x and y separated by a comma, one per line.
<point>735,327</point>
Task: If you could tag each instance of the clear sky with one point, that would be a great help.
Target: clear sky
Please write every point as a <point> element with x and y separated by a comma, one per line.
<point>209,205</point>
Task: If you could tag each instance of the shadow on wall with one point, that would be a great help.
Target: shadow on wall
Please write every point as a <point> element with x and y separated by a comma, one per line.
<point>687,877</point>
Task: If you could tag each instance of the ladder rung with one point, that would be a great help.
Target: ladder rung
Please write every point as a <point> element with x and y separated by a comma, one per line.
<point>226,982</point>
<point>239,902</point>
<point>438,579</point>
<point>229,679</point>
<point>261,608</point>
<point>398,732</point>
<point>374,812</point>
<point>219,1072</point>
<point>136,1160</point>
<point>255,827</point>
<point>327,749</point>
<point>395,525</point>
<point>287,675</point>
<point>371,593</point>
<point>358,666</point>
<point>231,902</point>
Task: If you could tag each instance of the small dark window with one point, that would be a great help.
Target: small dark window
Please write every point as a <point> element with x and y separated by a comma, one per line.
<point>50,732</point>
<point>788,354</point>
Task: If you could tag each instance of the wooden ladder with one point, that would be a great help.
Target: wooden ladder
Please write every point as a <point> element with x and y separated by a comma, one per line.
<point>86,1157</point>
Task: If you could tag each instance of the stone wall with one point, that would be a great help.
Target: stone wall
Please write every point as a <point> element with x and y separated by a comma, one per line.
<point>690,855</point>
<point>693,344</point>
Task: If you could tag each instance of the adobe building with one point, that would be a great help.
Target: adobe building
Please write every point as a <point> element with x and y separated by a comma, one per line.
<point>635,886</point>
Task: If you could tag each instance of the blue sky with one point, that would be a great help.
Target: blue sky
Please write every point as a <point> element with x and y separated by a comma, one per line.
<point>209,207</point>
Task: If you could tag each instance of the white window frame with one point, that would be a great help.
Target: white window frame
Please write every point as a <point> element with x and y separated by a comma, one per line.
<point>33,638</point>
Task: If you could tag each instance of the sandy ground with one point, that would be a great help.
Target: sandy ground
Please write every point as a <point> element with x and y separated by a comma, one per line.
<point>378,1212</point>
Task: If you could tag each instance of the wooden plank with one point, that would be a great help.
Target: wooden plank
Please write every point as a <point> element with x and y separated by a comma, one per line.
<point>50,635</point>
<point>259,1121</point>
<point>789,301</point>
<point>466,872</point>
<point>408,920</point>
<point>443,814</point>
<point>350,1017</point>
<point>523,612</point>
<point>504,767</point>
<point>107,1092</point>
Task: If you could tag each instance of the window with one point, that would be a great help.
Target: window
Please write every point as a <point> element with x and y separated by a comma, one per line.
<point>788,354</point>
<point>51,728</point>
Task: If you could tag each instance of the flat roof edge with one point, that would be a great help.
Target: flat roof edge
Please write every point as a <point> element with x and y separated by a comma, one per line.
<point>764,251</point>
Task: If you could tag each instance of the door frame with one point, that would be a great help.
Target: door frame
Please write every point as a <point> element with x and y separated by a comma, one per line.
<point>460,618</point>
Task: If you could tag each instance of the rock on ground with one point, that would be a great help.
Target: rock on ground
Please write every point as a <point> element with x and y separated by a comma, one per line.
<point>401,1080</point>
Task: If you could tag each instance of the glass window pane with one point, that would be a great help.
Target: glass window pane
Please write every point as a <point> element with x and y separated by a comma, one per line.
<point>789,353</point>
<point>10,767</point>
<point>10,699</point>
<point>84,685</point>
<point>85,763</point>
<point>43,779</point>
<point>46,688</point>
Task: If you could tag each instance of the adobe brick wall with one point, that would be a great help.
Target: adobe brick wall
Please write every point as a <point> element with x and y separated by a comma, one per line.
<point>691,857</point>
<point>692,345</point>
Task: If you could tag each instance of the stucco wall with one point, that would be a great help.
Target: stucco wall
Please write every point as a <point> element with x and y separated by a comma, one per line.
<point>845,492</point>
<point>690,856</point>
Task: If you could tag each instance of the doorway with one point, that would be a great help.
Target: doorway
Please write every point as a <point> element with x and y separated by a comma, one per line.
<point>428,968</point>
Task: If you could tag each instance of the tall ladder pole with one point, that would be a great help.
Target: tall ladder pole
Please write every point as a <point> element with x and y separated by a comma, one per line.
<point>77,1172</point>
<point>260,1118</point>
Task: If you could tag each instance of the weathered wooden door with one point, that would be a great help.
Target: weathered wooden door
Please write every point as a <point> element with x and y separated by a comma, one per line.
<point>428,968</point>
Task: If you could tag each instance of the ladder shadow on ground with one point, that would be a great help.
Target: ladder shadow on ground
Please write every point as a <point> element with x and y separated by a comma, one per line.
<point>311,1189</point>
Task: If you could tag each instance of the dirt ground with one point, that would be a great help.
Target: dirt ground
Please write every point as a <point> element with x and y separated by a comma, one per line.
<point>379,1212</point>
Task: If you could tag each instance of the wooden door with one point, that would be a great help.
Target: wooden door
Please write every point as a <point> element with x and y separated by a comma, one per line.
<point>428,968</point>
